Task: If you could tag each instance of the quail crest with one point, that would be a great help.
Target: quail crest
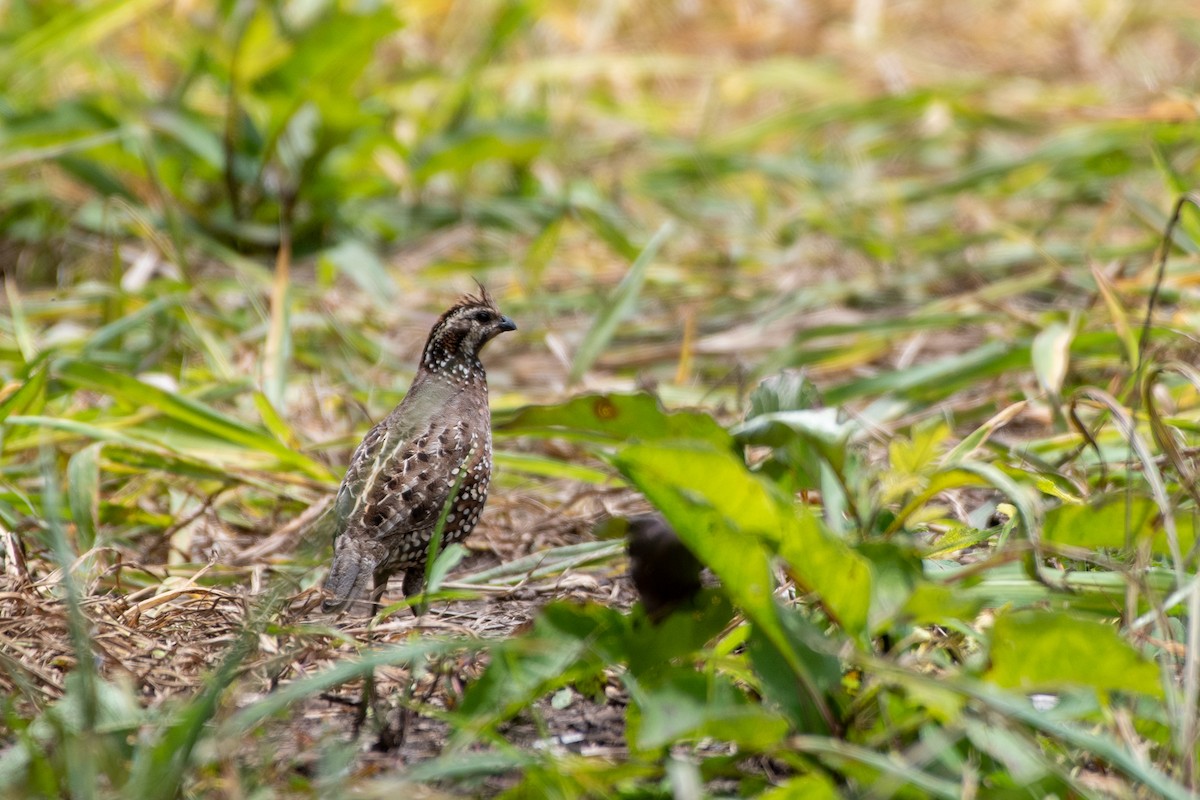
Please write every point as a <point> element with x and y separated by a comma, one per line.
<point>435,444</point>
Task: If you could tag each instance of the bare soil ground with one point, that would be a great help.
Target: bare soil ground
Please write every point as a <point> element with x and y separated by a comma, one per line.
<point>165,638</point>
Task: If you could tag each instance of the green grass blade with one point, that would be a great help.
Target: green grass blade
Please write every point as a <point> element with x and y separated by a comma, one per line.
<point>619,307</point>
<point>29,397</point>
<point>409,652</point>
<point>83,494</point>
<point>188,411</point>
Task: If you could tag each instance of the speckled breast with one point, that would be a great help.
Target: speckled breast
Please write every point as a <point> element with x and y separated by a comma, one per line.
<point>465,510</point>
<point>468,503</point>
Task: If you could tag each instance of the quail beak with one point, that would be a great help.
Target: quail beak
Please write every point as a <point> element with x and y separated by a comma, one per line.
<point>506,324</point>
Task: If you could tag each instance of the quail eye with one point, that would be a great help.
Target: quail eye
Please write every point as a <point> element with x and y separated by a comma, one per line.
<point>482,315</point>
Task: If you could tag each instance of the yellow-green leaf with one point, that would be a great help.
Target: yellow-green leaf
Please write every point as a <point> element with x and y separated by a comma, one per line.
<point>1051,354</point>
<point>1044,651</point>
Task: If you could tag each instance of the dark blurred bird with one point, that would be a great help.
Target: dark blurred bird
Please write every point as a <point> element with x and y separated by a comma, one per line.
<point>664,571</point>
<point>436,443</point>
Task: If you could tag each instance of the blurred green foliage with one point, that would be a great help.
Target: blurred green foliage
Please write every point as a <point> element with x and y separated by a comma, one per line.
<point>214,218</point>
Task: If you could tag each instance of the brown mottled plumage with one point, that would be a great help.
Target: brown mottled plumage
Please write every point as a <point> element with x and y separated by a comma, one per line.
<point>403,472</point>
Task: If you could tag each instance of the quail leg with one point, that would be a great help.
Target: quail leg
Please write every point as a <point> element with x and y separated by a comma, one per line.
<point>414,582</point>
<point>381,582</point>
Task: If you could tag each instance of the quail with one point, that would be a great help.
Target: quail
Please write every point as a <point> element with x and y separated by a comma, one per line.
<point>664,571</point>
<point>432,451</point>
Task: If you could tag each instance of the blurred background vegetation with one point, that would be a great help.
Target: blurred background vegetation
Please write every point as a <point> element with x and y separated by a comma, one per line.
<point>225,228</point>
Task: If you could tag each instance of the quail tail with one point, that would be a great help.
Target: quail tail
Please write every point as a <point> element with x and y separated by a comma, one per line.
<point>350,577</point>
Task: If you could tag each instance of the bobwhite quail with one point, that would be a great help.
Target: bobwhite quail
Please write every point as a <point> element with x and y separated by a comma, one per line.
<point>664,571</point>
<point>437,441</point>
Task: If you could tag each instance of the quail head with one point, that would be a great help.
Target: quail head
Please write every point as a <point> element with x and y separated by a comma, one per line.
<point>434,451</point>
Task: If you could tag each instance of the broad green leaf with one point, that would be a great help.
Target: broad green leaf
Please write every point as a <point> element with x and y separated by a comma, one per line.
<point>108,433</point>
<point>785,391</point>
<point>776,676</point>
<point>607,221</point>
<point>912,461</point>
<point>694,705</point>
<point>942,702</point>
<point>298,138</point>
<point>1018,495</point>
<point>327,56</point>
<point>716,505</point>
<point>654,649</point>
<point>922,490</point>
<point>813,786</point>
<point>871,764</point>
<point>618,307</point>
<point>1045,651</point>
<point>724,514</point>
<point>811,442</point>
<point>718,509</point>
<point>89,172</point>
<point>192,131</point>
<point>612,418</point>
<point>1115,521</point>
<point>1046,485</point>
<point>822,425</point>
<point>142,454</point>
<point>842,577</point>
<point>568,642</point>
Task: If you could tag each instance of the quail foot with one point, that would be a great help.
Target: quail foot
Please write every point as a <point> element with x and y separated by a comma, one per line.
<point>435,444</point>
